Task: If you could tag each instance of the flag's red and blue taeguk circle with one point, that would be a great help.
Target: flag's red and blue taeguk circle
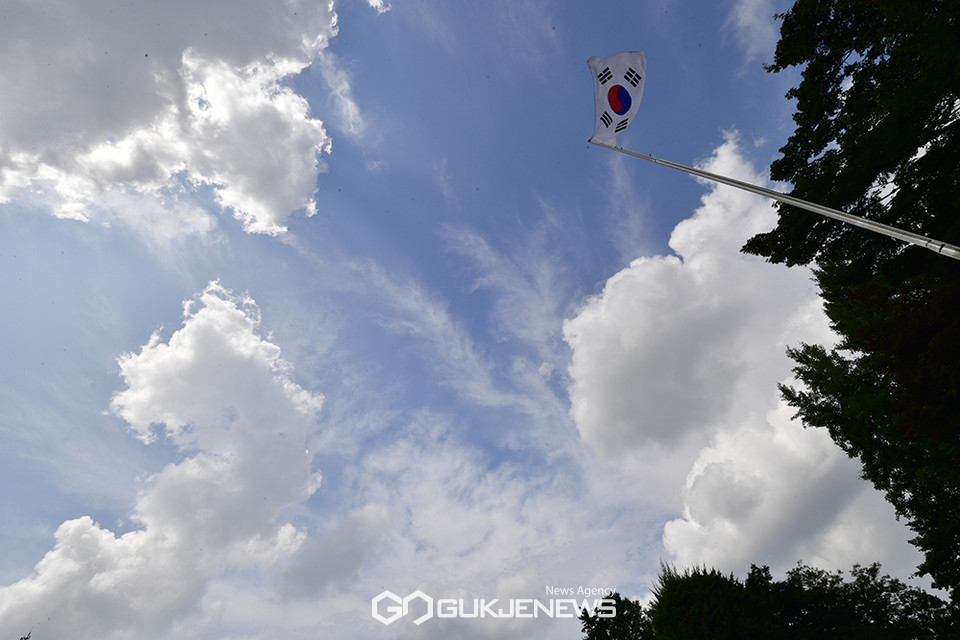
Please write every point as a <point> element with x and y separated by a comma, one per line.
<point>619,99</point>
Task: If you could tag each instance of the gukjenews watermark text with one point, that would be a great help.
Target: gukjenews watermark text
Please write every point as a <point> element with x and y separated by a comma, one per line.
<point>388,607</point>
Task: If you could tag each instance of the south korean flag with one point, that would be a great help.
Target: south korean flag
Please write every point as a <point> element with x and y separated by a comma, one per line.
<point>618,84</point>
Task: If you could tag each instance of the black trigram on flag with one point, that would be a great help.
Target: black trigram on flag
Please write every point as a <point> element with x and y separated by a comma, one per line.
<point>605,75</point>
<point>606,119</point>
<point>632,77</point>
<point>621,125</point>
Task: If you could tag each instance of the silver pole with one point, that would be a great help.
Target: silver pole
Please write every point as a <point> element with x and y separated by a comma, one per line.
<point>936,246</point>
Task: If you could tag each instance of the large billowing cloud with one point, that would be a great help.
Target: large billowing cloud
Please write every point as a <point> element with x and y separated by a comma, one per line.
<point>223,396</point>
<point>123,108</point>
<point>683,353</point>
<point>674,343</point>
<point>774,493</point>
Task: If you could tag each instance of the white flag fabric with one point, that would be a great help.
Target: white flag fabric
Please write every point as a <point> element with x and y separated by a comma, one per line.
<point>618,88</point>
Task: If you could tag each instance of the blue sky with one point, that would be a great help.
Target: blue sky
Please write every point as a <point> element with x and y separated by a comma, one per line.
<point>308,302</point>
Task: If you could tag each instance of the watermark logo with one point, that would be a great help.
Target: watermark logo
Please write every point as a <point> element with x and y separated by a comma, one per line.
<point>388,607</point>
<point>400,606</point>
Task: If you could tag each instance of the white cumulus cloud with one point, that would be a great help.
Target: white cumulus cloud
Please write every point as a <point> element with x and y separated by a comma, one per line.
<point>682,354</point>
<point>224,397</point>
<point>673,343</point>
<point>125,106</point>
<point>775,493</point>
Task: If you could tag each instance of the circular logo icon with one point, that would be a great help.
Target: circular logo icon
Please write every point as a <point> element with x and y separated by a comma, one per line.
<point>619,99</point>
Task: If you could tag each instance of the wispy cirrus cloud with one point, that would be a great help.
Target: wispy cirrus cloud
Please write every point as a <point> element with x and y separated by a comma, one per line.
<point>528,284</point>
<point>347,112</point>
<point>456,357</point>
<point>754,27</point>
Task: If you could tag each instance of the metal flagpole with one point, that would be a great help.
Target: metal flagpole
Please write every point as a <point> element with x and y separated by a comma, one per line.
<point>937,246</point>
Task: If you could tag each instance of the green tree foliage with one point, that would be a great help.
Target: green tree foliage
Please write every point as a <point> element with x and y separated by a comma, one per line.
<point>813,603</point>
<point>630,622</point>
<point>703,603</point>
<point>809,604</point>
<point>878,135</point>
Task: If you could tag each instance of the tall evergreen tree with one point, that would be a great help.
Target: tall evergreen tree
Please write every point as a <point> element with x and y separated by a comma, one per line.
<point>701,603</point>
<point>878,135</point>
